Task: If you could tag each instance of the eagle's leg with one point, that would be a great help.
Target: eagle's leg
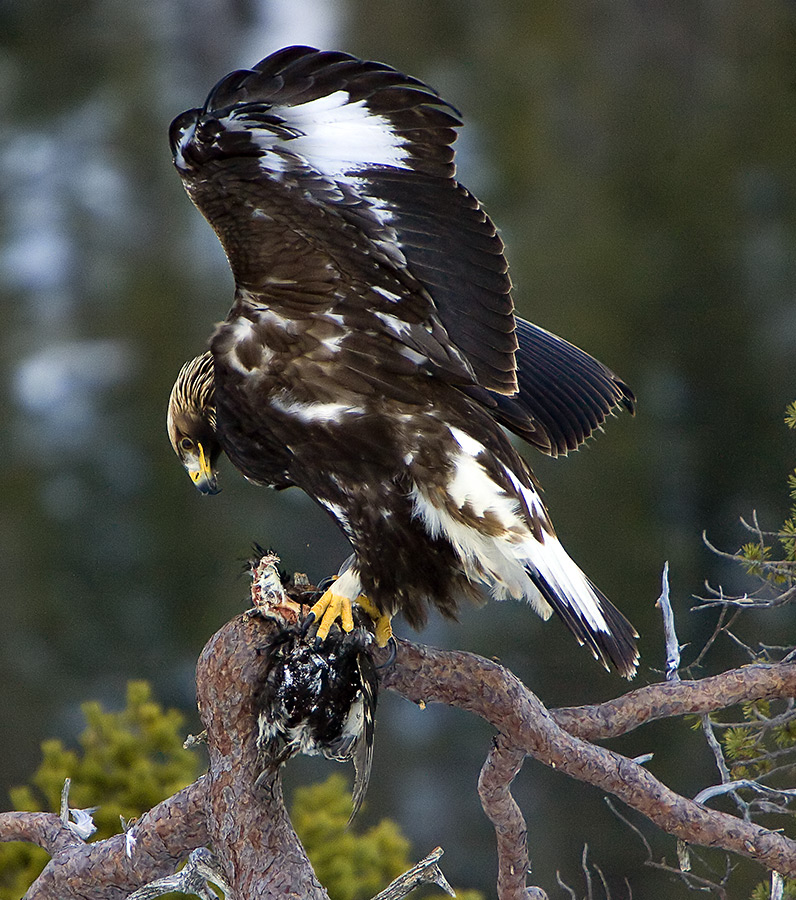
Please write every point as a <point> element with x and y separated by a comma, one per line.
<point>382,621</point>
<point>328,609</point>
<point>336,603</point>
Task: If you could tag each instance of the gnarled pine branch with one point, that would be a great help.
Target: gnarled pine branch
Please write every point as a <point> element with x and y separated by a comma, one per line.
<point>248,827</point>
<point>423,674</point>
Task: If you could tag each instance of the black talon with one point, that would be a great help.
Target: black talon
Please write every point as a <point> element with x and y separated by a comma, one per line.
<point>307,624</point>
<point>393,645</point>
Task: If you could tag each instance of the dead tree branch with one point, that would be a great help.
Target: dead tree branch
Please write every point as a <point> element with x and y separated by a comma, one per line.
<point>250,832</point>
<point>104,870</point>
<point>423,674</point>
<point>670,699</point>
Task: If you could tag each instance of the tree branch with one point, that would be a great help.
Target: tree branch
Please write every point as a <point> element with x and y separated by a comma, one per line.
<point>164,837</point>
<point>47,830</point>
<point>423,674</point>
<point>661,701</point>
<point>494,784</point>
<point>250,831</point>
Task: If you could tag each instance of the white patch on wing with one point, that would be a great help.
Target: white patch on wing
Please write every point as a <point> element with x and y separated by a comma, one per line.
<point>265,313</point>
<point>332,344</point>
<point>337,511</point>
<point>316,412</point>
<point>398,326</point>
<point>388,295</point>
<point>380,208</point>
<point>333,134</point>
<point>240,331</point>
<point>338,135</point>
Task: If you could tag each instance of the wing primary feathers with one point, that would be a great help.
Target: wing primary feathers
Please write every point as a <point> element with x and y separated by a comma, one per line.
<point>565,393</point>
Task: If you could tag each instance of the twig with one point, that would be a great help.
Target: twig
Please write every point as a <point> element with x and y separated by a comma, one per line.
<point>670,635</point>
<point>566,887</point>
<point>718,789</point>
<point>692,881</point>
<point>425,872</point>
<point>721,765</point>
<point>584,865</point>
<point>64,813</point>
<point>747,602</point>
<point>202,868</point>
<point>606,890</point>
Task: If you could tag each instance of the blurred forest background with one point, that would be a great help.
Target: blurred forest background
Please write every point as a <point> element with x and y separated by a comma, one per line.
<point>639,160</point>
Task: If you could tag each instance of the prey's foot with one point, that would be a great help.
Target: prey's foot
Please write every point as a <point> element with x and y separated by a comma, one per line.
<point>328,610</point>
<point>382,623</point>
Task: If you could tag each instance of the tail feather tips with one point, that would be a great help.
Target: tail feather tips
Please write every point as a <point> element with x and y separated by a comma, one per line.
<point>598,624</point>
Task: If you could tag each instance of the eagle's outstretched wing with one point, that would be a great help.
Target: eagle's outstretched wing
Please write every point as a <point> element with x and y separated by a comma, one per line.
<point>355,160</point>
<point>372,350</point>
<point>313,163</point>
<point>564,393</point>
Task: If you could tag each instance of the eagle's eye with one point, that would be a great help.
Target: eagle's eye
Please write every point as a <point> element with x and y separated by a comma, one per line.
<point>186,444</point>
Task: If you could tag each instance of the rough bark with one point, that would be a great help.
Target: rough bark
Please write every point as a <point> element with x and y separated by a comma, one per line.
<point>494,789</point>
<point>248,827</point>
<point>677,698</point>
<point>423,674</point>
<point>103,870</point>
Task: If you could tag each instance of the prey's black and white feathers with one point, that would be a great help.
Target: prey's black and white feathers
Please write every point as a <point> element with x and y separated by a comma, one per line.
<point>372,352</point>
<point>319,700</point>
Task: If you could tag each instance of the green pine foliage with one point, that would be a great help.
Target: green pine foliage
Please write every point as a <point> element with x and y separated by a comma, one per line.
<point>130,760</point>
<point>761,559</point>
<point>351,864</point>
<point>760,746</point>
<point>763,891</point>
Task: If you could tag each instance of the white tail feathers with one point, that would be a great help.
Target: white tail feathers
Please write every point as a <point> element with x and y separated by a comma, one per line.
<point>505,540</point>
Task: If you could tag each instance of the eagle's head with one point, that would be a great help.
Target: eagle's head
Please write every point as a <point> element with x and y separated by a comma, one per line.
<point>191,422</point>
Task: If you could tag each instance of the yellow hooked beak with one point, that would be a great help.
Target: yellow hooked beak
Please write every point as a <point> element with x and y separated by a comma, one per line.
<point>202,474</point>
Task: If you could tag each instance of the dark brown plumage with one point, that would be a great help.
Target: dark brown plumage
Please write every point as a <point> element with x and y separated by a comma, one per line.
<point>372,352</point>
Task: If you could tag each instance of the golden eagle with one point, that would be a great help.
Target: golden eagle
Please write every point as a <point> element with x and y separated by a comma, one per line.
<point>372,356</point>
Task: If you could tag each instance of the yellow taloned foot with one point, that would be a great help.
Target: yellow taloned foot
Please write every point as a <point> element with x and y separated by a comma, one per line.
<point>329,609</point>
<point>383,628</point>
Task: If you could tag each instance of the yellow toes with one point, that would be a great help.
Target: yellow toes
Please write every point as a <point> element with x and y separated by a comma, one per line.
<point>329,609</point>
<point>383,628</point>
<point>346,615</point>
